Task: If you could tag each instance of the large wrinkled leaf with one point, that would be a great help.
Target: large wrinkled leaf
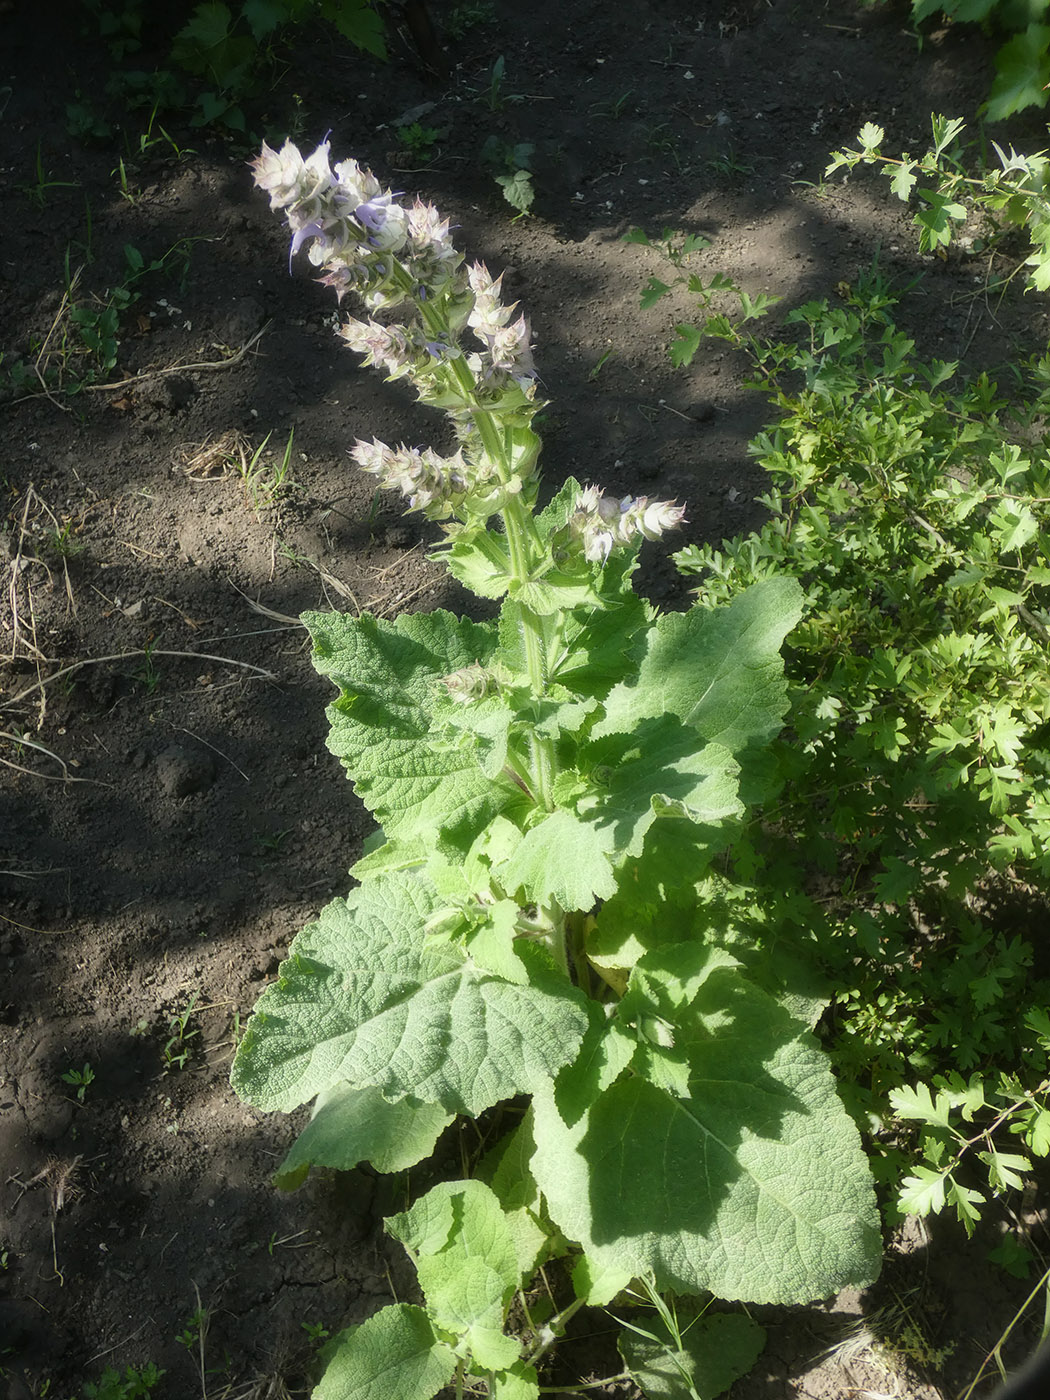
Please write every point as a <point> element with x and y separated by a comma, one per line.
<point>365,999</point>
<point>719,670</point>
<point>383,724</point>
<point>754,1186</point>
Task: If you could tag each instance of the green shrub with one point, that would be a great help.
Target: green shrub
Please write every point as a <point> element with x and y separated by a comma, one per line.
<point>912,809</point>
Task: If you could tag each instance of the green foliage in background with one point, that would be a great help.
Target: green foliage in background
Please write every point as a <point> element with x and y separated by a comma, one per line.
<point>911,826</point>
<point>957,207</point>
<point>228,52</point>
<point>1022,64</point>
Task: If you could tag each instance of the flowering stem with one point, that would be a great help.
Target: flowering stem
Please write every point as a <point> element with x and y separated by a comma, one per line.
<point>517,526</point>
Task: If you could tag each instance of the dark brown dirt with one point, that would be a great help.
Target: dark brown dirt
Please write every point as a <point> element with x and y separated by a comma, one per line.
<point>169,816</point>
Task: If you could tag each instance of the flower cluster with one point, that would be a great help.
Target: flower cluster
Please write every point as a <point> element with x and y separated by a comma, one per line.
<point>509,351</point>
<point>430,483</point>
<point>601,524</point>
<point>354,229</point>
<point>364,241</point>
<point>400,350</point>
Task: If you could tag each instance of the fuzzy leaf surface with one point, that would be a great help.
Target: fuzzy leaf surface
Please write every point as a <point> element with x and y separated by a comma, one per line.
<point>719,670</point>
<point>384,725</point>
<point>562,858</point>
<point>660,769</point>
<point>468,1265</point>
<point>396,1352</point>
<point>716,1351</point>
<point>756,1186</point>
<point>359,1125</point>
<point>364,999</point>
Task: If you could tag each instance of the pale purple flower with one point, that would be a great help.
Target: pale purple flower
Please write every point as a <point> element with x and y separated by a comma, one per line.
<point>430,483</point>
<point>386,222</point>
<point>287,178</point>
<point>601,524</point>
<point>388,346</point>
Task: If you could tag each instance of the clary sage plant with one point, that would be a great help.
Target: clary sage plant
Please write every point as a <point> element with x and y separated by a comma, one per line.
<point>526,940</point>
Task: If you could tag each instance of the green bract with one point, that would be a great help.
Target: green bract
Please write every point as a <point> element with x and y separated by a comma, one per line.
<point>676,1123</point>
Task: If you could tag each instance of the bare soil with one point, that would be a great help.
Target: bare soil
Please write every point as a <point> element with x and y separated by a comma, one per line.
<point>169,815</point>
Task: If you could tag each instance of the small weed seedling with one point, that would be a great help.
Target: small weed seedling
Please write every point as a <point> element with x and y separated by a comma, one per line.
<point>269,846</point>
<point>60,540</point>
<point>418,141</point>
<point>37,192</point>
<point>80,1079</point>
<point>510,166</point>
<point>178,1048</point>
<point>470,15</point>
<point>265,479</point>
<point>148,674</point>
<point>193,1335</point>
<point>729,165</point>
<point>136,1383</point>
<point>612,109</point>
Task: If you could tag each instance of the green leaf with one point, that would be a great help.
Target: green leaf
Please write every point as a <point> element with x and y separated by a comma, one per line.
<point>396,1352</point>
<point>922,1192</point>
<point>919,1104</point>
<point>594,647</point>
<point>1014,525</point>
<point>350,1126</point>
<point>359,22</point>
<point>1037,1134</point>
<point>656,903</point>
<point>366,1000</point>
<point>478,559</point>
<point>467,1260</point>
<point>517,190</point>
<point>756,1187</point>
<point>653,291</point>
<point>263,17</point>
<point>561,858</point>
<point>383,724</point>
<point>1012,1257</point>
<point>506,1169</point>
<point>935,222</point>
<point>517,1382</point>
<point>660,770</point>
<point>903,180</point>
<point>719,669</point>
<point>598,1285</point>
<point>685,344</point>
<point>209,26</point>
<point>870,137</point>
<point>1022,73</point>
<point>717,1349</point>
